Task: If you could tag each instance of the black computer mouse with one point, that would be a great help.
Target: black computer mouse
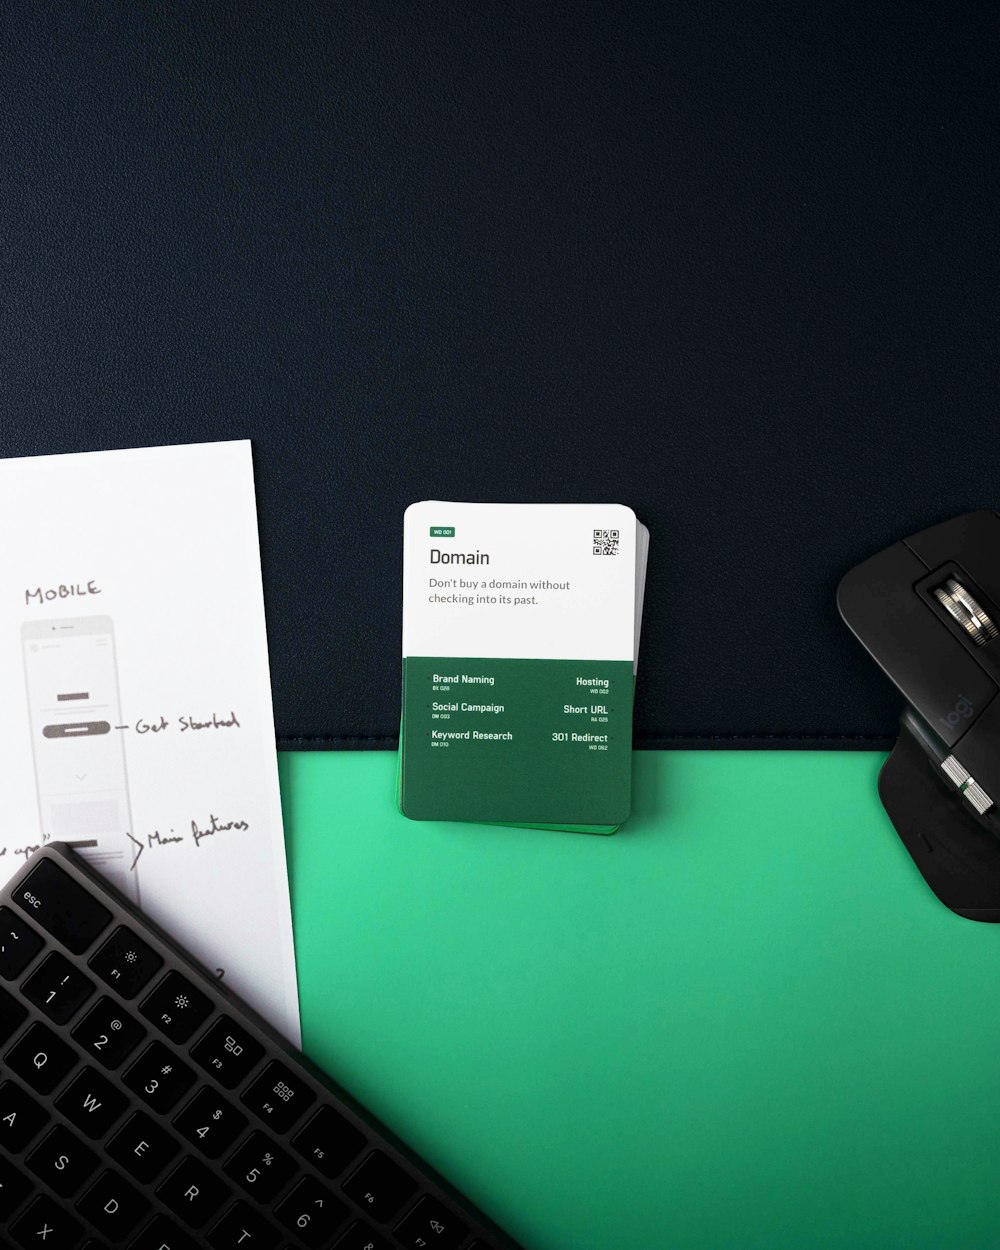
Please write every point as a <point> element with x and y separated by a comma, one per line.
<point>928,611</point>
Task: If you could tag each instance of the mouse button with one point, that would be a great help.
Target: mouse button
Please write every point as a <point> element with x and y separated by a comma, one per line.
<point>931,667</point>
<point>878,587</point>
<point>972,539</point>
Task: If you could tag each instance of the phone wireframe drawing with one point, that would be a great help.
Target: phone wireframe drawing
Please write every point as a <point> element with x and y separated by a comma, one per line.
<point>77,743</point>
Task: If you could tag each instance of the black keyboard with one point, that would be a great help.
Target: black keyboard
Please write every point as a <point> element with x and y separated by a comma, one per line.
<point>142,1105</point>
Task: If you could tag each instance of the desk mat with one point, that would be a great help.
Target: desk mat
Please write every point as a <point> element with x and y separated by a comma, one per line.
<point>736,267</point>
<point>745,1012</point>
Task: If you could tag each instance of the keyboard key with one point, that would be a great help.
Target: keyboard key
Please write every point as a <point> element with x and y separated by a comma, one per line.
<point>12,1015</point>
<point>210,1123</point>
<point>176,1007</point>
<point>360,1237</point>
<point>142,1147</point>
<point>62,1161</point>
<point>228,1052</point>
<point>278,1097</point>
<point>62,907</point>
<point>113,1207</point>
<point>241,1228</point>
<point>19,944</point>
<point>94,1244</point>
<point>57,988</point>
<point>430,1223</point>
<point>260,1167</point>
<point>162,1234</point>
<point>312,1212</point>
<point>20,1117</point>
<point>125,963</point>
<point>41,1058</point>
<point>193,1192</point>
<point>108,1033</point>
<point>159,1077</point>
<point>47,1223</point>
<point>14,1188</point>
<point>380,1186</point>
<point>329,1142</point>
<point>91,1103</point>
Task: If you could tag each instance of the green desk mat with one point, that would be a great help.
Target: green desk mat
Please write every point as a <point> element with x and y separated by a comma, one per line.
<point>743,1021</point>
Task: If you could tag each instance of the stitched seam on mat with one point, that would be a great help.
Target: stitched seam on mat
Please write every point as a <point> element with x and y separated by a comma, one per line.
<point>650,737</point>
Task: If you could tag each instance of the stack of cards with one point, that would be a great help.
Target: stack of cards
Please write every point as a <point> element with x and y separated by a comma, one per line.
<point>520,644</point>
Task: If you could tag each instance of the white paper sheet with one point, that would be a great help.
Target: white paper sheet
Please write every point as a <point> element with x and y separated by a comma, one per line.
<point>137,701</point>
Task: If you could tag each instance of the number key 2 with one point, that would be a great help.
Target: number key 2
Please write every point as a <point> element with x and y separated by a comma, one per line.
<point>107,1033</point>
<point>227,1052</point>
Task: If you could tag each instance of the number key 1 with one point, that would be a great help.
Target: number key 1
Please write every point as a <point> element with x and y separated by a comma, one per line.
<point>57,988</point>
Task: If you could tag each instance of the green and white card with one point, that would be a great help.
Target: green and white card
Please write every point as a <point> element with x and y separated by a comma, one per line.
<point>520,641</point>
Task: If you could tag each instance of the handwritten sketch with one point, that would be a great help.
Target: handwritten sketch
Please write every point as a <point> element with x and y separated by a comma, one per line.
<point>77,744</point>
<point>132,619</point>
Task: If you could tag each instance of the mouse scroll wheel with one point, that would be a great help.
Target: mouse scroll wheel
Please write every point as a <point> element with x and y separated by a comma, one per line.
<point>967,610</point>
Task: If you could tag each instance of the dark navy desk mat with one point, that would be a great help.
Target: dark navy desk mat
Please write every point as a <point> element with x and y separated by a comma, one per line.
<point>734,265</point>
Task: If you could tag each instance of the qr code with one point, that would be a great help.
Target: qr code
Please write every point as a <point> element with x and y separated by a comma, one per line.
<point>605,542</point>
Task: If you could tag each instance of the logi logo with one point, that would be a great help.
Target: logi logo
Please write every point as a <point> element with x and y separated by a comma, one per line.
<point>962,710</point>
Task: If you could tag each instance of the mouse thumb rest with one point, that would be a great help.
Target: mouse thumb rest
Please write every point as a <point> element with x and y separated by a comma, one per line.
<point>957,852</point>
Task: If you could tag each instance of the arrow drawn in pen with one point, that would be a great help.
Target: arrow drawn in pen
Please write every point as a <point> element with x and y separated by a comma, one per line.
<point>135,842</point>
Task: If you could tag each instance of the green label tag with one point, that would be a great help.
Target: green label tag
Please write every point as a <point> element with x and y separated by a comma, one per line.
<point>539,741</point>
<point>442,531</point>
